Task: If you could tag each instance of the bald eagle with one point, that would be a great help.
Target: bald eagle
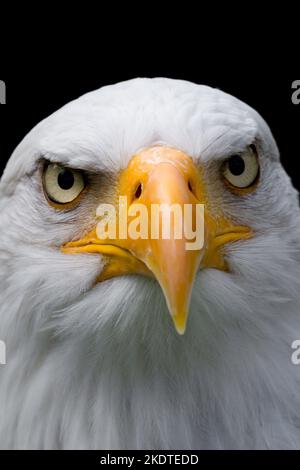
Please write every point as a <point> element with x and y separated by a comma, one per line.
<point>93,358</point>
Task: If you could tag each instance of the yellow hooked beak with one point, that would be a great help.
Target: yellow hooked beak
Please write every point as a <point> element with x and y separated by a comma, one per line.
<point>163,177</point>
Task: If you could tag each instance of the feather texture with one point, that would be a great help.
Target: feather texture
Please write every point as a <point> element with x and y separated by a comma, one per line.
<point>101,366</point>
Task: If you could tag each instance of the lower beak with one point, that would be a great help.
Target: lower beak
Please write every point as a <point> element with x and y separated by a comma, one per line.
<point>162,194</point>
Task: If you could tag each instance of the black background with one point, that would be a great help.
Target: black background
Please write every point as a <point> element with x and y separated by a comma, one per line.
<point>35,94</point>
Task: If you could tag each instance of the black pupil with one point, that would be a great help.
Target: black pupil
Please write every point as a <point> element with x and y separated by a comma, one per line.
<point>66,179</point>
<point>236,165</point>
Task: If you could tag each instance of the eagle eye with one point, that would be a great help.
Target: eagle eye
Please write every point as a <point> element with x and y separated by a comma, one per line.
<point>63,185</point>
<point>242,170</point>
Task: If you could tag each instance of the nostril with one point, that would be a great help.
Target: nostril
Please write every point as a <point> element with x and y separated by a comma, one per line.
<point>192,188</point>
<point>138,191</point>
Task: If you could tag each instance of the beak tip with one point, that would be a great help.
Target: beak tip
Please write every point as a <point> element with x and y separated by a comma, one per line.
<point>181,332</point>
<point>180,324</point>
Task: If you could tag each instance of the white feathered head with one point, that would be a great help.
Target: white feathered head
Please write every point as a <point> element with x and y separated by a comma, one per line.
<point>103,309</point>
